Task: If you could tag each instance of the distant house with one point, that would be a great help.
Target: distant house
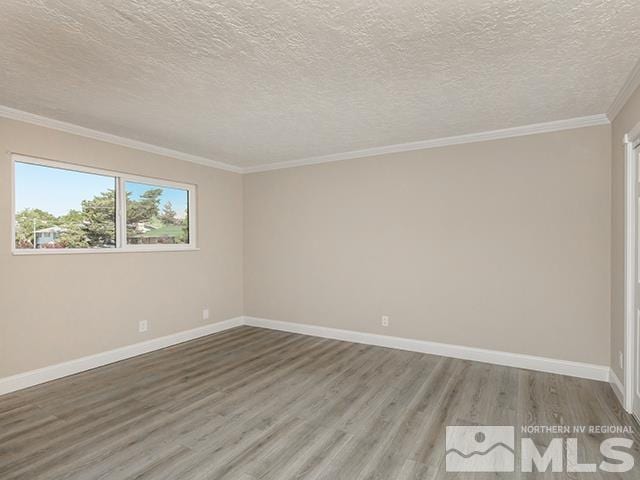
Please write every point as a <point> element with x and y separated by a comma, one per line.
<point>48,237</point>
<point>142,227</point>
<point>167,234</point>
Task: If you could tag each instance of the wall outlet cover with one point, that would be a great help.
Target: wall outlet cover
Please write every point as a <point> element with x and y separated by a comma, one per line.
<point>621,360</point>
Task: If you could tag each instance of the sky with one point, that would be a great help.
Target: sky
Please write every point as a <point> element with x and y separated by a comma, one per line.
<point>57,191</point>
<point>177,197</point>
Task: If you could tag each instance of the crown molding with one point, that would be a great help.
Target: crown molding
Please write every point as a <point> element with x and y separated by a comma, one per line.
<point>630,86</point>
<point>531,129</point>
<point>34,119</point>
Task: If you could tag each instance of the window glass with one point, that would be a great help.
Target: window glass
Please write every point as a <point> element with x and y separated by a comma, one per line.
<point>60,207</point>
<point>156,214</point>
<point>63,209</point>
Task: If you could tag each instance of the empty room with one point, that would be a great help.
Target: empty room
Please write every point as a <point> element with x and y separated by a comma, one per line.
<point>319,240</point>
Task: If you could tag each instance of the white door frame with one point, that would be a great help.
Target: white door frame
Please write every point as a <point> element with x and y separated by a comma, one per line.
<point>630,263</point>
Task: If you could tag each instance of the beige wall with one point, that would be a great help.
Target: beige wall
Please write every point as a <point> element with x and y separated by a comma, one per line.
<point>621,125</point>
<point>502,245</point>
<point>57,308</point>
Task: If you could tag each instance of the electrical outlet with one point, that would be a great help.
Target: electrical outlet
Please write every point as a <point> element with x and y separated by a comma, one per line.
<point>621,360</point>
<point>205,314</point>
<point>385,320</point>
<point>143,326</point>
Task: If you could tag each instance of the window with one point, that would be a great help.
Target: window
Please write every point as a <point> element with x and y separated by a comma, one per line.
<point>61,208</point>
<point>157,215</point>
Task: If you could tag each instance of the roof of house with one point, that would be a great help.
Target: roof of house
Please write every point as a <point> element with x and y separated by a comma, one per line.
<point>54,229</point>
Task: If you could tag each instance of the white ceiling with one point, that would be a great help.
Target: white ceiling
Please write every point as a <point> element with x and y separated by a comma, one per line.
<point>251,83</point>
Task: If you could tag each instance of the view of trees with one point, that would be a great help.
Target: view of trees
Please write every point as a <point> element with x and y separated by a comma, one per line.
<point>27,221</point>
<point>94,226</point>
<point>148,224</point>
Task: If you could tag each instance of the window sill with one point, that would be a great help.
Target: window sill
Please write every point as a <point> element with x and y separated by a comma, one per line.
<point>96,251</point>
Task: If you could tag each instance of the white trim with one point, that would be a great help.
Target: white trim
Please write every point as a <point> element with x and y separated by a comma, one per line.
<point>530,362</point>
<point>120,179</point>
<point>121,220</point>
<point>617,387</point>
<point>633,137</point>
<point>12,227</point>
<point>53,372</point>
<point>27,117</point>
<point>629,86</point>
<point>546,127</point>
<point>629,271</point>
<point>96,251</point>
<point>630,262</point>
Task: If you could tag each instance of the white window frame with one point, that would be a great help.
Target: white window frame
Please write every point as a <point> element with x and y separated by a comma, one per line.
<point>631,141</point>
<point>121,209</point>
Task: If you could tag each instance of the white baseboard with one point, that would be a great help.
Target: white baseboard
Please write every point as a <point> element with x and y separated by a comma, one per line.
<point>617,387</point>
<point>53,372</point>
<point>530,362</point>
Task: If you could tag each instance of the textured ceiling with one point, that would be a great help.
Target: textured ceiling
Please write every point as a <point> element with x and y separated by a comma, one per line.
<point>254,82</point>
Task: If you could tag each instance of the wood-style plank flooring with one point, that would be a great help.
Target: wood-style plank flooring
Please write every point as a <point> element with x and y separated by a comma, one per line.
<point>251,404</point>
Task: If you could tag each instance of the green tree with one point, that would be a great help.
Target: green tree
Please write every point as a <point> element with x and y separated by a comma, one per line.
<point>74,236</point>
<point>99,219</point>
<point>27,221</point>
<point>144,210</point>
<point>168,215</point>
<point>70,218</point>
<point>184,238</point>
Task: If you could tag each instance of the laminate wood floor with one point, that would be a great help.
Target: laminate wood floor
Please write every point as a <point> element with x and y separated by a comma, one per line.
<point>251,404</point>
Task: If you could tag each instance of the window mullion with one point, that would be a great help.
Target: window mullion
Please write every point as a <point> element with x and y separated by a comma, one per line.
<point>121,207</point>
